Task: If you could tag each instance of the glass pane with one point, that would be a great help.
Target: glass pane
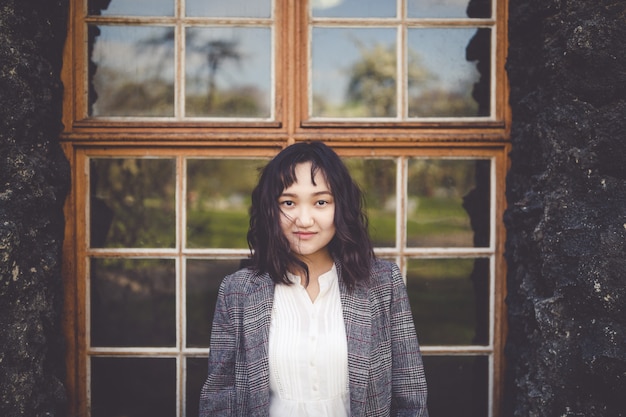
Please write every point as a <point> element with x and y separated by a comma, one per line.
<point>131,7</point>
<point>203,281</point>
<point>354,72</point>
<point>447,78</point>
<point>133,387</point>
<point>132,203</point>
<point>450,300</point>
<point>377,179</point>
<point>131,71</point>
<point>449,8</point>
<point>448,203</point>
<point>218,199</point>
<point>457,385</point>
<point>133,302</point>
<point>196,375</point>
<point>229,8</point>
<point>353,8</point>
<point>228,72</point>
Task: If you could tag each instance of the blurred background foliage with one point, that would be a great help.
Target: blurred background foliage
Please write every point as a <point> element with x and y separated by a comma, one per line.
<point>371,84</point>
<point>133,205</point>
<point>133,201</point>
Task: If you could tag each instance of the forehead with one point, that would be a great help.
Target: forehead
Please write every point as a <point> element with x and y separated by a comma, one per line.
<point>305,174</point>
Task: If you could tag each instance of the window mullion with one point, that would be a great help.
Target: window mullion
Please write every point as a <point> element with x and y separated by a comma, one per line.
<point>180,264</point>
<point>181,285</point>
<point>401,216</point>
<point>402,84</point>
<point>179,56</point>
<point>403,78</point>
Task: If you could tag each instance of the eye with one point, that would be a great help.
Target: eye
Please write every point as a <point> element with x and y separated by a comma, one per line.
<point>322,203</point>
<point>286,203</point>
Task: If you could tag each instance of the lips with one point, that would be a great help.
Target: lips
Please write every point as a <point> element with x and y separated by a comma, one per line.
<point>304,235</point>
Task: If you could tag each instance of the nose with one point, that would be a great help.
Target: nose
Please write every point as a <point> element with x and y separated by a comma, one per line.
<point>304,219</point>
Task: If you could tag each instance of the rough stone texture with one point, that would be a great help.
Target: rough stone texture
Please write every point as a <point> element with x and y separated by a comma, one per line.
<point>34,179</point>
<point>566,222</point>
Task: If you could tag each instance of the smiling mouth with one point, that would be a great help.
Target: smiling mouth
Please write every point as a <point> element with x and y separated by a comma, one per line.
<point>304,235</point>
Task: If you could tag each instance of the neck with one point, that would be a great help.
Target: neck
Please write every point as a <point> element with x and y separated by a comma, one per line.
<point>317,265</point>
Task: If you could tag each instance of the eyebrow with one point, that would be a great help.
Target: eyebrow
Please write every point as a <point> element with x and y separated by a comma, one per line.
<point>315,194</point>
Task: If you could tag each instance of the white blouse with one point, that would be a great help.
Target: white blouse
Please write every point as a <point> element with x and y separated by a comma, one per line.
<point>308,351</point>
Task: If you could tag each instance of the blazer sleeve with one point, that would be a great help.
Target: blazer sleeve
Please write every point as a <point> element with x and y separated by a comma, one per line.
<point>217,397</point>
<point>408,379</point>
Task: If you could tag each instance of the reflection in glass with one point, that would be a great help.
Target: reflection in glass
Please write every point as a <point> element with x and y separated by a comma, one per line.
<point>131,71</point>
<point>353,8</point>
<point>229,8</point>
<point>133,387</point>
<point>440,78</point>
<point>450,304</point>
<point>448,8</point>
<point>203,280</point>
<point>436,215</point>
<point>457,385</point>
<point>377,180</point>
<point>228,72</point>
<point>218,199</point>
<point>132,203</point>
<point>131,7</point>
<point>354,72</point>
<point>133,302</point>
<point>196,375</point>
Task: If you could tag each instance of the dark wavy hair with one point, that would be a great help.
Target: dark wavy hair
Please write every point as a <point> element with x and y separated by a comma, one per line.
<point>351,245</point>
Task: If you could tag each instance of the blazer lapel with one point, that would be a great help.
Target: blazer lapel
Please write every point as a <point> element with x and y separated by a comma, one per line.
<point>356,315</point>
<point>256,325</point>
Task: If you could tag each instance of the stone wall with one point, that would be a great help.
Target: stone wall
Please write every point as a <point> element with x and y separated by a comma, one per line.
<point>34,179</point>
<point>566,222</point>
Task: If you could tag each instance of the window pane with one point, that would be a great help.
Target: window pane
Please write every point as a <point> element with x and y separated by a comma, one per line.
<point>132,203</point>
<point>457,385</point>
<point>354,72</point>
<point>353,8</point>
<point>228,72</point>
<point>131,7</point>
<point>449,8</point>
<point>450,300</point>
<point>448,203</point>
<point>441,77</point>
<point>377,180</point>
<point>229,8</point>
<point>133,387</point>
<point>218,199</point>
<point>133,302</point>
<point>196,375</point>
<point>203,281</point>
<point>131,71</point>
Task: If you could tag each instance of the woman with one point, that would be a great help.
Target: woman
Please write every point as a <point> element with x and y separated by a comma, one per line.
<point>316,326</point>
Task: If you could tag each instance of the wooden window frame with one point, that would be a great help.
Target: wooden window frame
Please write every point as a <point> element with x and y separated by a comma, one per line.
<point>290,74</point>
<point>83,137</point>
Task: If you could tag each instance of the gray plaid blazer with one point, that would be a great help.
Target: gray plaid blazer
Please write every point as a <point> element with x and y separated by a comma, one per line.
<point>385,366</point>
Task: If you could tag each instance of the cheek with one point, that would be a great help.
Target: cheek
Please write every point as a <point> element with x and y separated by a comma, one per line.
<point>329,220</point>
<point>284,222</point>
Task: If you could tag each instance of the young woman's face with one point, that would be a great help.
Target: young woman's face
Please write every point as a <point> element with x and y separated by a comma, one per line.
<point>308,215</point>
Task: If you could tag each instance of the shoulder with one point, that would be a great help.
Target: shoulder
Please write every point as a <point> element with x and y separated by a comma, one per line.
<point>242,281</point>
<point>384,280</point>
<point>240,277</point>
<point>384,272</point>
